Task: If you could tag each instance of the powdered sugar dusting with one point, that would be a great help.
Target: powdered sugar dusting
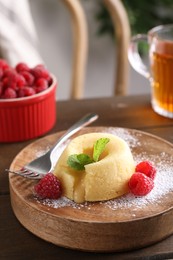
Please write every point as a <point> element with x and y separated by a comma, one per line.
<point>163,180</point>
<point>163,185</point>
<point>60,203</point>
<point>125,135</point>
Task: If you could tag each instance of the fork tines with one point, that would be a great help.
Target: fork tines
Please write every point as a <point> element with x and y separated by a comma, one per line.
<point>25,173</point>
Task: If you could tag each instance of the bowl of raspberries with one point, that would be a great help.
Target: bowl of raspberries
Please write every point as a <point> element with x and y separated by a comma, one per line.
<point>27,101</point>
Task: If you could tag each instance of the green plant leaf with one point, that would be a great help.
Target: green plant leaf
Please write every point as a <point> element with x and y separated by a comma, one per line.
<point>78,161</point>
<point>99,148</point>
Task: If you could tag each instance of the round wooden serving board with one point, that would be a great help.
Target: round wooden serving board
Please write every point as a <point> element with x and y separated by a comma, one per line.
<point>116,225</point>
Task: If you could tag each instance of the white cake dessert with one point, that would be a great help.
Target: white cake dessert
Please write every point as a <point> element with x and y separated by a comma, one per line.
<point>102,180</point>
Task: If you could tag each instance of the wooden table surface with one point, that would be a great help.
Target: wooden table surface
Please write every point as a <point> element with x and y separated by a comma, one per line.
<point>129,112</point>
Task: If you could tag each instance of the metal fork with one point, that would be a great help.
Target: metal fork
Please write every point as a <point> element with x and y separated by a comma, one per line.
<point>37,168</point>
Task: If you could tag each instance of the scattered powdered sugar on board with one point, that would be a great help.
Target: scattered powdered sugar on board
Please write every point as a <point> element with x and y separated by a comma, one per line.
<point>59,203</point>
<point>163,180</point>
<point>132,141</point>
<point>163,184</point>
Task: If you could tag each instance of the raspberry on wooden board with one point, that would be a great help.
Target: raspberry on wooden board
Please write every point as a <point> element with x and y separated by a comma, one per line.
<point>147,168</point>
<point>140,184</point>
<point>142,181</point>
<point>49,187</point>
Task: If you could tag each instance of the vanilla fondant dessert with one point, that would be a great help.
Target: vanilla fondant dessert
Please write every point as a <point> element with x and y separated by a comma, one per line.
<point>95,167</point>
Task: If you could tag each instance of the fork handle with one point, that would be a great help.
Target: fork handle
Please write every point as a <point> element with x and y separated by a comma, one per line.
<point>84,121</point>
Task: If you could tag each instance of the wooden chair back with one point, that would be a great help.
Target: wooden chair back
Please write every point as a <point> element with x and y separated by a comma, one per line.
<point>122,39</point>
<point>80,45</point>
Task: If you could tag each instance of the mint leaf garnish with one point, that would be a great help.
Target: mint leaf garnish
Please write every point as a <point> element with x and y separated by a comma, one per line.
<point>99,148</point>
<point>78,161</point>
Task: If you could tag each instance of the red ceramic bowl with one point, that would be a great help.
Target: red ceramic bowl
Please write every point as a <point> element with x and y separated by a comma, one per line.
<point>29,117</point>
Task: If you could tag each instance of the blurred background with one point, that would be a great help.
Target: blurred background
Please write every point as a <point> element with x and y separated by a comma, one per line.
<point>52,21</point>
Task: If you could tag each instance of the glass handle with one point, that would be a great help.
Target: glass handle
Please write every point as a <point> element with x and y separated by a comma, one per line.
<point>135,58</point>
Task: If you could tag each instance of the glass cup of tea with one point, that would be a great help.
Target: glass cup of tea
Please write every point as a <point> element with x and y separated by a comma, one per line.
<point>160,69</point>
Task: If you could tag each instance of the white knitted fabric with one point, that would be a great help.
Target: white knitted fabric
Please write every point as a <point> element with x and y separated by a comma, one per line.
<point>18,39</point>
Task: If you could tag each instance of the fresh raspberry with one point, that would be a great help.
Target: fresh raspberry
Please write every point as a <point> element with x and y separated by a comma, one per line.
<point>26,91</point>
<point>9,93</point>
<point>40,85</point>
<point>40,71</point>
<point>9,82</point>
<point>49,187</point>
<point>20,81</point>
<point>5,82</point>
<point>147,168</point>
<point>29,78</point>
<point>9,72</point>
<point>25,81</point>
<point>140,184</point>
<point>22,67</point>
<point>3,64</point>
<point>13,80</point>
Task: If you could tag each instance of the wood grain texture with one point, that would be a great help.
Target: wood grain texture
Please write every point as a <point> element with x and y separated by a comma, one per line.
<point>95,228</point>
